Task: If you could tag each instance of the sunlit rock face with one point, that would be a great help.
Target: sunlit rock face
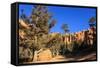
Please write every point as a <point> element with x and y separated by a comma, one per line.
<point>79,37</point>
<point>23,24</point>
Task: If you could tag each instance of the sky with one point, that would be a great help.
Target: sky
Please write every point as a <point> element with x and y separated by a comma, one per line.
<point>77,18</point>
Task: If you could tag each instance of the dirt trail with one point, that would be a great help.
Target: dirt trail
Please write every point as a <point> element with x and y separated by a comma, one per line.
<point>46,56</point>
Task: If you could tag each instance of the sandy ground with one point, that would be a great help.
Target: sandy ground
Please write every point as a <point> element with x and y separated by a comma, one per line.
<point>46,56</point>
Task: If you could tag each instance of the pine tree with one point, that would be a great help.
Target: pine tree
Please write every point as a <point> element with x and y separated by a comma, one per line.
<point>36,36</point>
<point>65,28</point>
